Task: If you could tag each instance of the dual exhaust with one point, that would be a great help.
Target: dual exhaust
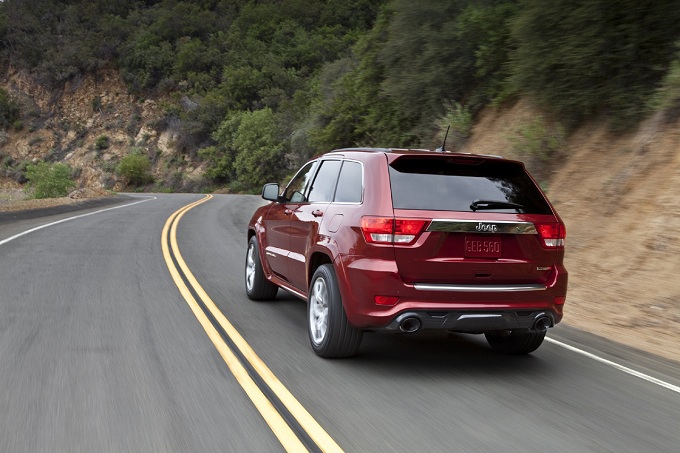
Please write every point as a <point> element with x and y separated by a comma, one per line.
<point>410,323</point>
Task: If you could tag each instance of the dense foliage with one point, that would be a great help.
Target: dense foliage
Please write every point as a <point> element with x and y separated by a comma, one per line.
<point>135,169</point>
<point>49,180</point>
<point>262,84</point>
<point>597,56</point>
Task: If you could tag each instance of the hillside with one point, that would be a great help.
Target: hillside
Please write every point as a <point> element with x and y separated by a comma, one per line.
<point>618,195</point>
<point>91,123</point>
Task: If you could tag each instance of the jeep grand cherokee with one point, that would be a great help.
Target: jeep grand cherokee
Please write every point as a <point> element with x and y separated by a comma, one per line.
<point>400,240</point>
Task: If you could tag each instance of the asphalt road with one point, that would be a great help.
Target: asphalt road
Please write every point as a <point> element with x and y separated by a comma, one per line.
<point>99,351</point>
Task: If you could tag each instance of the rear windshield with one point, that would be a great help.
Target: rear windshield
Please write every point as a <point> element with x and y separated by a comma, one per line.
<point>455,183</point>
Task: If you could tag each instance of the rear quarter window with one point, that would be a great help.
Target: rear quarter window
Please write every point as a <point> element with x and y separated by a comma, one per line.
<point>453,183</point>
<point>350,183</point>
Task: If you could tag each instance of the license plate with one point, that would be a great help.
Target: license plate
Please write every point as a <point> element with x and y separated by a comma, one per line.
<point>482,248</point>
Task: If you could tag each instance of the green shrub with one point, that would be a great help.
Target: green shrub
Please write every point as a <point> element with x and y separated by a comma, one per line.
<point>536,139</point>
<point>9,110</point>
<point>667,96</point>
<point>109,166</point>
<point>97,104</point>
<point>15,170</point>
<point>49,180</point>
<point>35,140</point>
<point>103,142</point>
<point>135,169</point>
<point>220,162</point>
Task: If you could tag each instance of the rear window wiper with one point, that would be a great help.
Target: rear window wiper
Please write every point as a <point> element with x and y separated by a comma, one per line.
<point>493,204</point>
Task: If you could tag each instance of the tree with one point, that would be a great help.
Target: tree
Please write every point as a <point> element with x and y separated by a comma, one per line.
<point>584,57</point>
<point>402,81</point>
<point>259,147</point>
<point>351,108</point>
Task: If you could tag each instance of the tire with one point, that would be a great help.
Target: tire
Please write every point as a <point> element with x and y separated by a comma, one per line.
<point>257,285</point>
<point>330,333</point>
<point>515,342</point>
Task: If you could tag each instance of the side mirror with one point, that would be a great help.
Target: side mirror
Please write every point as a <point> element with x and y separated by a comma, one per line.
<point>271,192</point>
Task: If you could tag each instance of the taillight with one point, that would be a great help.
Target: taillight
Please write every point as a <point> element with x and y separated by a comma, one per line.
<point>388,230</point>
<point>377,229</point>
<point>552,234</point>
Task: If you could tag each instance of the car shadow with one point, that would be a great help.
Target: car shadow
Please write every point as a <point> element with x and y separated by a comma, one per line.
<point>442,352</point>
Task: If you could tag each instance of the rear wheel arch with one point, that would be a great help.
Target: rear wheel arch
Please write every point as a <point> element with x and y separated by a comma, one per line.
<point>252,234</point>
<point>315,260</point>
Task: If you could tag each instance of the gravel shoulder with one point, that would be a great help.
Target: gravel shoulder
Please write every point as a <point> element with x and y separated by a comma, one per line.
<point>15,205</point>
<point>16,199</point>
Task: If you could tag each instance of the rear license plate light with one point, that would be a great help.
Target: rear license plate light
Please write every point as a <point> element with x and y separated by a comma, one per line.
<point>482,247</point>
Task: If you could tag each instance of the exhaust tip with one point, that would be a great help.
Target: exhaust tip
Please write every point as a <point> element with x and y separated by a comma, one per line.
<point>410,324</point>
<point>542,323</point>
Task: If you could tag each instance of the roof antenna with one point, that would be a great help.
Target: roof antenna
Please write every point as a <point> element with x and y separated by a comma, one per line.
<point>442,149</point>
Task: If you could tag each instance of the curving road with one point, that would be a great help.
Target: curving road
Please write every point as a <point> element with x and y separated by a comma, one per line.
<point>100,351</point>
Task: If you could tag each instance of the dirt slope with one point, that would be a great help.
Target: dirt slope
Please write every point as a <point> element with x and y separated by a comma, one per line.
<point>67,124</point>
<point>619,195</point>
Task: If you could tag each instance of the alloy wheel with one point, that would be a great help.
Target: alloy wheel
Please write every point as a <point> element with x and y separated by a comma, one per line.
<point>318,311</point>
<point>250,268</point>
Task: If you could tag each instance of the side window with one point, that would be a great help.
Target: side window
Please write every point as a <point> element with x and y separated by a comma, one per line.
<point>296,187</point>
<point>324,184</point>
<point>350,184</point>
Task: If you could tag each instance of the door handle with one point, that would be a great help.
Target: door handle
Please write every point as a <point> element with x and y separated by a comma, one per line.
<point>288,211</point>
<point>317,213</point>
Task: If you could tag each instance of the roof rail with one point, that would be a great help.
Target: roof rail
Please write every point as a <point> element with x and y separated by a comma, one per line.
<point>367,149</point>
<point>390,150</point>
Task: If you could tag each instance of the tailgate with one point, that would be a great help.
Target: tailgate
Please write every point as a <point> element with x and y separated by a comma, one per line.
<point>480,251</point>
<point>488,221</point>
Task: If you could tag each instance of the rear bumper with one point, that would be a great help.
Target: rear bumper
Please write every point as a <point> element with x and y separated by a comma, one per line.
<point>471,321</point>
<point>463,308</point>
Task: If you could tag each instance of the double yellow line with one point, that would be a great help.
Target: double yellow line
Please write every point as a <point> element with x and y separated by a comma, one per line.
<point>284,432</point>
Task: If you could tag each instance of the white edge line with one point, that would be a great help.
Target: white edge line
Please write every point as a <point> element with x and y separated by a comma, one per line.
<point>619,367</point>
<point>5,241</point>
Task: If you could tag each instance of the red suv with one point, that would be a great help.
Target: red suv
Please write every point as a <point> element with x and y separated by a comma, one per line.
<point>400,240</point>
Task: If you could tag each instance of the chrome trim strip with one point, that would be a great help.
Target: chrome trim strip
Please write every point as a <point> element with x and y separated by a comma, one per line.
<point>478,316</point>
<point>478,288</point>
<point>482,227</point>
